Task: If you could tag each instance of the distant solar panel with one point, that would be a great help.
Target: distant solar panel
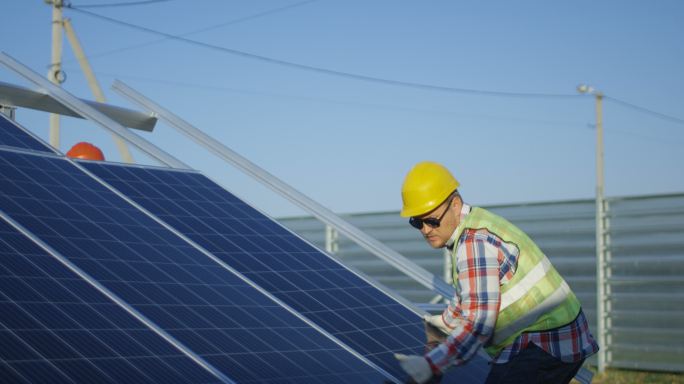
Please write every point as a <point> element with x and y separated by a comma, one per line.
<point>313,283</point>
<point>13,135</point>
<point>212,311</point>
<point>55,327</point>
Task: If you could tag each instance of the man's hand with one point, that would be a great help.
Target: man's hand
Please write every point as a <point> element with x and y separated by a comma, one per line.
<point>416,367</point>
<point>436,322</point>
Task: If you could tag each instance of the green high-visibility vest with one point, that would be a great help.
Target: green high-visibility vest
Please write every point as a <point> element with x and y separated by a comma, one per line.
<point>536,298</point>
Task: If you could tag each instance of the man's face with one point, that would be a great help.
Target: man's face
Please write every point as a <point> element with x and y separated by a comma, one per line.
<point>448,216</point>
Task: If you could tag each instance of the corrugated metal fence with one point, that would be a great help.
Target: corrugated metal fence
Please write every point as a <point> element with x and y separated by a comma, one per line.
<point>644,266</point>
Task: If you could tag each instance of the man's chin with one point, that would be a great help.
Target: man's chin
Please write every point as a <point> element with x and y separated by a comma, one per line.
<point>435,242</point>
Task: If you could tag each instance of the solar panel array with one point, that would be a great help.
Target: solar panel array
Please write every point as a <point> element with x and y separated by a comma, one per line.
<point>212,311</point>
<point>218,291</point>
<point>12,135</point>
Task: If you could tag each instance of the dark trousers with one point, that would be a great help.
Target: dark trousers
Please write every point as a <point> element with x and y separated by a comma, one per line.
<point>534,366</point>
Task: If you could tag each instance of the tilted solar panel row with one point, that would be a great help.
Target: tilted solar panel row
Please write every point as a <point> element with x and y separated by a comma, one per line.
<point>231,325</point>
<point>13,135</point>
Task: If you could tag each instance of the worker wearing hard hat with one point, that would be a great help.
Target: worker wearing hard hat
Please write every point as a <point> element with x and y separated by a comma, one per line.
<point>509,299</point>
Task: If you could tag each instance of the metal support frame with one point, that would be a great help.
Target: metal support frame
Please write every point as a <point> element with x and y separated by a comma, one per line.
<point>8,111</point>
<point>447,274</point>
<point>15,96</point>
<point>331,244</point>
<point>418,273</point>
<point>88,112</point>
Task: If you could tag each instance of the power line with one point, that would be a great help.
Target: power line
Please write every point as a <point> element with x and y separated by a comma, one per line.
<point>355,104</point>
<point>372,79</point>
<point>326,71</point>
<point>224,24</point>
<point>646,110</point>
<point>124,4</point>
<point>390,107</point>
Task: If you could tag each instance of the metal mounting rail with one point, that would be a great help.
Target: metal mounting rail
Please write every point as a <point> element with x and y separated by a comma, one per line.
<point>87,111</point>
<point>15,96</point>
<point>323,214</point>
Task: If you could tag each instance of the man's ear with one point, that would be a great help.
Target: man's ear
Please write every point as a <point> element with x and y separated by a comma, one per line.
<point>456,200</point>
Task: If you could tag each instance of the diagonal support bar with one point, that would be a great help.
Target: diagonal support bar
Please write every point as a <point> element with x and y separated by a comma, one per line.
<point>421,275</point>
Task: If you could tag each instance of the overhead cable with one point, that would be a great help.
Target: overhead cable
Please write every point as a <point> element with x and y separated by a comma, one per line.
<point>120,4</point>
<point>355,104</point>
<point>646,110</point>
<point>224,24</point>
<point>429,87</point>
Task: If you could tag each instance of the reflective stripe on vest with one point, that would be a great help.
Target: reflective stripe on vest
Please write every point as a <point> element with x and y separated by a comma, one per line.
<point>536,298</point>
<point>514,293</point>
<point>552,301</point>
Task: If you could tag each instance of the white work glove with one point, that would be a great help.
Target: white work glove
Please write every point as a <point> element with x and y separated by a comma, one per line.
<point>416,367</point>
<point>437,322</point>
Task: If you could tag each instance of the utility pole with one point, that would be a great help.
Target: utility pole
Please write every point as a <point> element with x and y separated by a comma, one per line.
<point>603,271</point>
<point>55,73</point>
<point>57,76</point>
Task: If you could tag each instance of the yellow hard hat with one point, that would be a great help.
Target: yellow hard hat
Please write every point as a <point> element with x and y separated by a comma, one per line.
<point>426,186</point>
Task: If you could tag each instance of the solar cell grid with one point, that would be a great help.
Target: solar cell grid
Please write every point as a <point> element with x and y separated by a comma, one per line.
<point>55,327</point>
<point>314,284</point>
<point>209,309</point>
<point>11,135</point>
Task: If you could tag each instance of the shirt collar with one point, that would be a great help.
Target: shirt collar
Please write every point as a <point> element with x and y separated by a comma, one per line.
<point>465,210</point>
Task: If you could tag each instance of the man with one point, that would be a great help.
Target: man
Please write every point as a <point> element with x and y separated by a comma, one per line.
<point>509,299</point>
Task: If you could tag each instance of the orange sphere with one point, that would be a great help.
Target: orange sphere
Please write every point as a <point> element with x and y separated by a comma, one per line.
<point>85,151</point>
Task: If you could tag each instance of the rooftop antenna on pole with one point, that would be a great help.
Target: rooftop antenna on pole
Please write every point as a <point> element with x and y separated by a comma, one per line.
<point>57,76</point>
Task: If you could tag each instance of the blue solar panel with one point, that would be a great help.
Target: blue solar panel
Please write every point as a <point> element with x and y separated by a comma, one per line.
<point>12,135</point>
<point>55,327</point>
<point>209,309</point>
<point>310,281</point>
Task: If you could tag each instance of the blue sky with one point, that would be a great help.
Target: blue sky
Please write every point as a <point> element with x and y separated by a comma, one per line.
<point>347,142</point>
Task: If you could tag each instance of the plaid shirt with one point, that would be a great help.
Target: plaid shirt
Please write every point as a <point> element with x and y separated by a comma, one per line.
<point>484,262</point>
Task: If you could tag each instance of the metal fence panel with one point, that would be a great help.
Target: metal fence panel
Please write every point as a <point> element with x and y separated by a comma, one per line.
<point>646,282</point>
<point>645,269</point>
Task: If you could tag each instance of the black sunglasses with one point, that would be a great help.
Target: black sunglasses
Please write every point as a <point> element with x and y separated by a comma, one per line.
<point>430,221</point>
